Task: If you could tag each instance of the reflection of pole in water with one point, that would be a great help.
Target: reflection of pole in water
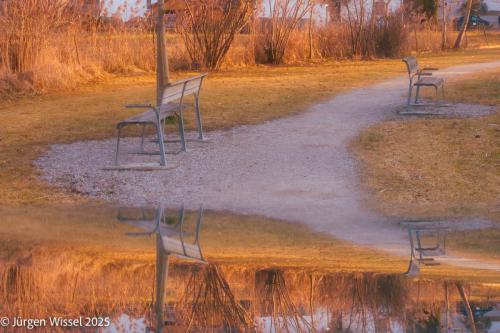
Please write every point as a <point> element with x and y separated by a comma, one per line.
<point>161,279</point>
<point>166,246</point>
<point>170,241</point>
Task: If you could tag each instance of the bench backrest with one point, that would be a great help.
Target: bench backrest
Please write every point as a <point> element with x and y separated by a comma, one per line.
<point>180,89</point>
<point>411,65</point>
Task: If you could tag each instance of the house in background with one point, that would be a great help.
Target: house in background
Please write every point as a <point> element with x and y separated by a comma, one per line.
<point>493,13</point>
<point>454,11</point>
<point>172,7</point>
<point>494,317</point>
<point>91,8</point>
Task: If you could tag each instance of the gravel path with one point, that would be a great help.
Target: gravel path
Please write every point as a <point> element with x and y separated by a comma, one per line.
<point>295,169</point>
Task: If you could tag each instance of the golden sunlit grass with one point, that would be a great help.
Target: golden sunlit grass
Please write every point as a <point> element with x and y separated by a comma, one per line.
<point>225,238</point>
<point>479,39</point>
<point>479,243</point>
<point>438,166</point>
<point>92,234</point>
<point>245,96</point>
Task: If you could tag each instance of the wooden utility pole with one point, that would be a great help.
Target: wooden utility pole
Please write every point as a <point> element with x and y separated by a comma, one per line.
<point>310,32</point>
<point>162,79</point>
<point>443,37</point>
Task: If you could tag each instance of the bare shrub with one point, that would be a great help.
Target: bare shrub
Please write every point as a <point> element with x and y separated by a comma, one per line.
<point>54,44</point>
<point>390,35</point>
<point>276,31</point>
<point>274,295</point>
<point>332,41</point>
<point>208,28</point>
<point>208,302</point>
<point>358,27</point>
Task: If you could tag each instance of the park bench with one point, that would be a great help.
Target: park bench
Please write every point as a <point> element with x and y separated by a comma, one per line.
<point>421,78</point>
<point>172,104</point>
<point>424,254</point>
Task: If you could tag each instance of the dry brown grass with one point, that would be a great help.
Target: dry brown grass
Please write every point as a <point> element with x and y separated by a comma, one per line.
<point>66,286</point>
<point>91,233</point>
<point>55,48</point>
<point>93,230</point>
<point>438,166</point>
<point>230,98</point>
<point>478,243</point>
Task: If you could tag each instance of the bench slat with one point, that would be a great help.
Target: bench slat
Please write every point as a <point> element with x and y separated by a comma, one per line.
<point>429,81</point>
<point>149,117</point>
<point>175,246</point>
<point>175,90</point>
<point>412,65</point>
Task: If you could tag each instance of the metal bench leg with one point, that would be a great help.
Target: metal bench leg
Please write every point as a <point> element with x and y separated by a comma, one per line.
<point>118,145</point>
<point>198,117</point>
<point>410,89</point>
<point>437,95</point>
<point>416,94</point>
<point>181,132</point>
<point>142,137</point>
<point>161,143</point>
<point>419,244</point>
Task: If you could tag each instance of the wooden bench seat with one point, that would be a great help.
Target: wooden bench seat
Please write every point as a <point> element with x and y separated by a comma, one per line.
<point>429,81</point>
<point>149,117</point>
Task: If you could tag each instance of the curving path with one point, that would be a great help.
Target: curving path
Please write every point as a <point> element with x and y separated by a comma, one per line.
<point>295,169</point>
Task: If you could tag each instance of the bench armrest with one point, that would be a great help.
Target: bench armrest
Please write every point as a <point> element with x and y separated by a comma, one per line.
<point>139,106</point>
<point>138,234</point>
<point>430,69</point>
<point>424,74</point>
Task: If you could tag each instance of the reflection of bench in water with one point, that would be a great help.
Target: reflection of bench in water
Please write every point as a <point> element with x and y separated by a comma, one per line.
<point>424,254</point>
<point>171,232</point>
<point>170,240</point>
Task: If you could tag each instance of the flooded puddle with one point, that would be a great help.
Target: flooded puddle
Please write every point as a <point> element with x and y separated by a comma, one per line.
<point>138,269</point>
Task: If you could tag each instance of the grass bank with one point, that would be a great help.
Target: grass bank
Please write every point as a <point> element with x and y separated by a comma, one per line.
<point>436,167</point>
<point>244,96</point>
<point>92,235</point>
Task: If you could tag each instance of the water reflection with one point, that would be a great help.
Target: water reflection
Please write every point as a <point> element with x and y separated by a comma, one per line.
<point>170,236</point>
<point>198,279</point>
<point>427,241</point>
<point>217,299</point>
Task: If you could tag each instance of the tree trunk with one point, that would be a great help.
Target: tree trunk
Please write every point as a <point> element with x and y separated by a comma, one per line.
<point>462,31</point>
<point>443,37</point>
<point>310,33</point>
